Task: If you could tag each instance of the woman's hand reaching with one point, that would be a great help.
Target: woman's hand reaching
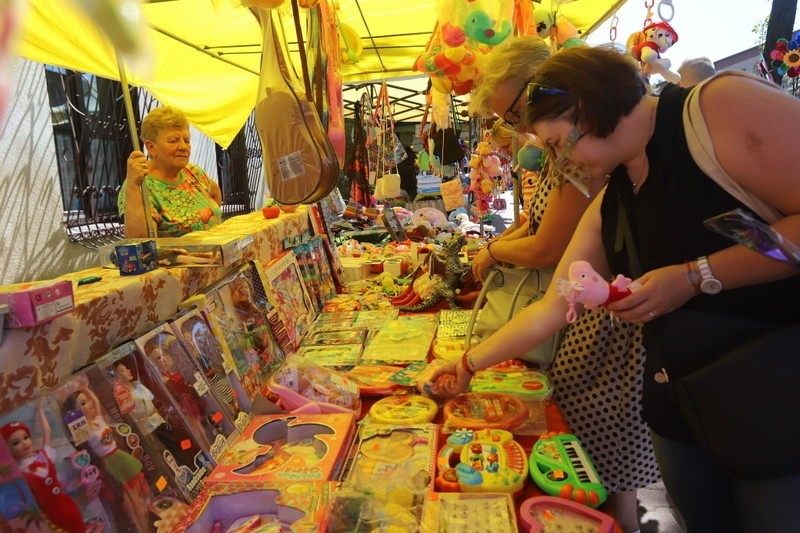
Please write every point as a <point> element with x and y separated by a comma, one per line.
<point>444,381</point>
<point>481,263</point>
<point>138,167</point>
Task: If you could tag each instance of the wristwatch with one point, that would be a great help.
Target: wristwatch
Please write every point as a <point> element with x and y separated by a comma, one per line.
<point>708,283</point>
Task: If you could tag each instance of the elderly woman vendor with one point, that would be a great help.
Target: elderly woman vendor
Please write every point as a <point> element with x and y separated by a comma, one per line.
<point>182,196</point>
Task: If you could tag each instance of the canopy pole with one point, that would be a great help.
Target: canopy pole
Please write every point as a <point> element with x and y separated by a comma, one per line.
<point>126,96</point>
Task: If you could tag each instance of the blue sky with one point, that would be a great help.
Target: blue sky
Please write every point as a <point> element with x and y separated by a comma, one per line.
<point>712,28</point>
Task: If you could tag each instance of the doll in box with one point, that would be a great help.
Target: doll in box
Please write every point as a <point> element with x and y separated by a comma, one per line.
<point>160,350</point>
<point>39,471</point>
<point>119,464</point>
<point>136,399</point>
<point>204,348</point>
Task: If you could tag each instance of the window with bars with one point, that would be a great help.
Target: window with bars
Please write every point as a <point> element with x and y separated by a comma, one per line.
<point>93,142</point>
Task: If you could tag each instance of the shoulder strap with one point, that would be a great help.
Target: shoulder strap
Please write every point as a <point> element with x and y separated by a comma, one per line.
<point>701,147</point>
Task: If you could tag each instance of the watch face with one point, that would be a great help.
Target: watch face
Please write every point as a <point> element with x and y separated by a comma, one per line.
<point>711,286</point>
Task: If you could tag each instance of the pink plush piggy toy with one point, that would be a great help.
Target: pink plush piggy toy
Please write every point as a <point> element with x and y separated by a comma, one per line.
<point>588,287</point>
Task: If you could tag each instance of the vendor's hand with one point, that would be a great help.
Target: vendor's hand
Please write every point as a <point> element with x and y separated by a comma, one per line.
<point>138,167</point>
<point>481,263</point>
<point>662,291</point>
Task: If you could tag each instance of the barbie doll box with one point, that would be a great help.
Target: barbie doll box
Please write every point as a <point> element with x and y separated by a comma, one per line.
<point>288,447</point>
<point>31,304</point>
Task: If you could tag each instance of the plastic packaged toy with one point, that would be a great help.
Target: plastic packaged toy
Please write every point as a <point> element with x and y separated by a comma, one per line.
<point>196,336</point>
<point>341,357</point>
<point>469,513</point>
<point>404,409</point>
<point>375,380</point>
<point>484,410</point>
<point>175,371</point>
<point>304,386</point>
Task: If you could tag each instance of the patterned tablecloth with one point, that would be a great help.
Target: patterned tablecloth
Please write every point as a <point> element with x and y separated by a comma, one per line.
<point>118,308</point>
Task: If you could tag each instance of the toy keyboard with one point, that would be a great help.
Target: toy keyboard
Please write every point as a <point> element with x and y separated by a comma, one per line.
<point>560,467</point>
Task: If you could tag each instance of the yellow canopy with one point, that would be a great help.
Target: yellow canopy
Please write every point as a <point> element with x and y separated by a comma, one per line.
<point>217,96</point>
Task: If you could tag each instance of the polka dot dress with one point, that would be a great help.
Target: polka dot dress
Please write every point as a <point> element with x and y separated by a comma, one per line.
<point>597,379</point>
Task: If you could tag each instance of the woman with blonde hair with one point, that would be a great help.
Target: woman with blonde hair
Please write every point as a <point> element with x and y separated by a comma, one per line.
<point>182,196</point>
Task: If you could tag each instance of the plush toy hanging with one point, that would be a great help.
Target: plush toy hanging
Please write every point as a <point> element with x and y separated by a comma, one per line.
<point>485,165</point>
<point>465,32</point>
<point>556,27</point>
<point>646,47</point>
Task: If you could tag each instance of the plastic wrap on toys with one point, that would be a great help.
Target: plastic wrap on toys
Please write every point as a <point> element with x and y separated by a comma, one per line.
<point>494,410</point>
<point>542,512</point>
<point>306,387</point>
<point>403,409</point>
<point>339,357</point>
<point>196,336</point>
<point>375,380</point>
<point>469,513</point>
<point>121,385</point>
<point>287,292</point>
<point>401,341</point>
<point>168,364</point>
<point>366,502</point>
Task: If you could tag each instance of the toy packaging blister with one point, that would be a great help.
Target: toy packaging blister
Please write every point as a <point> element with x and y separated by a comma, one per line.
<point>301,447</point>
<point>304,386</point>
<point>495,410</point>
<point>375,380</point>
<point>374,319</point>
<point>268,507</point>
<point>469,513</point>
<point>343,319</point>
<point>454,322</point>
<point>334,337</point>
<point>342,357</point>
<point>287,292</point>
<point>173,370</point>
<point>310,274</point>
<point>450,348</point>
<point>121,385</point>
<point>516,379</point>
<point>366,502</point>
<point>326,283</point>
<point>401,341</point>
<point>403,409</point>
<point>196,336</point>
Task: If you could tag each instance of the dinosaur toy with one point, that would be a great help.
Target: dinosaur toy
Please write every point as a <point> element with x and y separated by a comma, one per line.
<point>444,285</point>
<point>588,287</point>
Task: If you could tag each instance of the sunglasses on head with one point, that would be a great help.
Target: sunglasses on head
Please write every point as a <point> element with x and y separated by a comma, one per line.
<point>535,89</point>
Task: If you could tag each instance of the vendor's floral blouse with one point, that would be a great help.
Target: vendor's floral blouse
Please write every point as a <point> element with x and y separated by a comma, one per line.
<point>181,207</point>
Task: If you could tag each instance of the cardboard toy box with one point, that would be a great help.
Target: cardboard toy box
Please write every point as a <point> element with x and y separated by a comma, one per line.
<point>203,249</point>
<point>136,256</point>
<point>286,447</point>
<point>31,304</point>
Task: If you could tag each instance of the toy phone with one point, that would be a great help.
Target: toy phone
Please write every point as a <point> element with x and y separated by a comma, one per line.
<point>742,227</point>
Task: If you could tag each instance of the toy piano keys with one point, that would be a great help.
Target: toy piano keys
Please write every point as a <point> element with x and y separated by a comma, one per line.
<point>487,460</point>
<point>560,467</point>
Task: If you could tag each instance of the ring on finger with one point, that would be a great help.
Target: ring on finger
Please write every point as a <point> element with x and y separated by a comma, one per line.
<point>652,314</point>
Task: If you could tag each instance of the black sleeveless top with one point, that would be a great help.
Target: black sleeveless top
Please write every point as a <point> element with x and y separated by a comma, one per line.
<point>666,220</point>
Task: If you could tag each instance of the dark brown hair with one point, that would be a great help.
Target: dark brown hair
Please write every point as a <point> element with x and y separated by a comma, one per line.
<point>604,85</point>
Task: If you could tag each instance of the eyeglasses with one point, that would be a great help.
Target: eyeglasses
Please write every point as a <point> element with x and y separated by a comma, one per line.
<point>535,89</point>
<point>511,117</point>
<point>532,89</point>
